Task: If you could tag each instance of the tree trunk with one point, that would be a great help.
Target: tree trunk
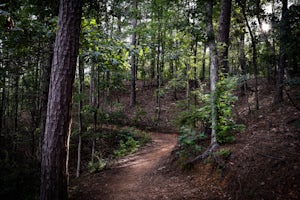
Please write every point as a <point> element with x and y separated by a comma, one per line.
<point>187,90</point>
<point>152,64</point>
<point>242,62</point>
<point>213,69</point>
<point>195,85</point>
<point>163,44</point>
<point>158,80</point>
<point>213,82</point>
<point>158,68</point>
<point>107,87</point>
<point>80,106</point>
<point>195,63</point>
<point>254,56</point>
<point>268,43</point>
<point>2,105</point>
<point>44,99</point>
<point>176,78</point>
<point>16,99</point>
<point>55,151</point>
<point>282,55</point>
<point>203,62</point>
<point>176,64</point>
<point>223,38</point>
<point>15,109</point>
<point>93,106</point>
<point>133,58</point>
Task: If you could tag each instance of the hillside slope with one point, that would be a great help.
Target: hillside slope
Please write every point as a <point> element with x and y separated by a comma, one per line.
<point>264,160</point>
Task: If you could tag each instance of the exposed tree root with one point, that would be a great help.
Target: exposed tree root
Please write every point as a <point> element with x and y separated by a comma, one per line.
<point>204,155</point>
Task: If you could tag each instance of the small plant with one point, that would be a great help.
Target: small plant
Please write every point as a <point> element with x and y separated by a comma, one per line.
<point>225,153</point>
<point>127,147</point>
<point>142,136</point>
<point>98,165</point>
<point>117,117</point>
<point>139,114</point>
<point>130,140</point>
<point>225,99</point>
<point>121,151</point>
<point>198,118</point>
<point>189,141</point>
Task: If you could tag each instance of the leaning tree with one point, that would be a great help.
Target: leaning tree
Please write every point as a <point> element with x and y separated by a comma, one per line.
<point>54,167</point>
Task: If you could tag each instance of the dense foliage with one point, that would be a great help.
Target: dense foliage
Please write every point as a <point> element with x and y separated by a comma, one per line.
<point>171,54</point>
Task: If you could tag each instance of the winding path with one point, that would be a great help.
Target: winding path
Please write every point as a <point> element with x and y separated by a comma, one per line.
<point>141,176</point>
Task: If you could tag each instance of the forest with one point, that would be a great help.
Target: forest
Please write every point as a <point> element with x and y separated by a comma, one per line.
<point>149,99</point>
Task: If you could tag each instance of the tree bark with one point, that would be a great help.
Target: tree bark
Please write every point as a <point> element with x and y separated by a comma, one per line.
<point>268,43</point>
<point>203,63</point>
<point>213,82</point>
<point>16,99</point>
<point>93,103</point>
<point>80,106</point>
<point>242,62</point>
<point>159,65</point>
<point>2,105</point>
<point>54,166</point>
<point>213,69</point>
<point>15,109</point>
<point>158,79</point>
<point>223,37</point>
<point>254,55</point>
<point>195,48</point>
<point>282,55</point>
<point>44,99</point>
<point>187,89</point>
<point>133,58</point>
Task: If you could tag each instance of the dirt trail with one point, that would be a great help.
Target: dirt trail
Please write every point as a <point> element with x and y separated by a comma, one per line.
<point>133,177</point>
<point>141,176</point>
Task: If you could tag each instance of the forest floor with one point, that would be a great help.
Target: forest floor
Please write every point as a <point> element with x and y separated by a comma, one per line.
<point>264,161</point>
<point>140,176</point>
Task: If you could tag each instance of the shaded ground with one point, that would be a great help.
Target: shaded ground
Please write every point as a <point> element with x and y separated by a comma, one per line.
<point>264,162</point>
<point>145,175</point>
<point>137,176</point>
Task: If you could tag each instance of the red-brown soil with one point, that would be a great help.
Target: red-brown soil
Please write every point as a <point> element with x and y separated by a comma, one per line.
<point>146,175</point>
<point>133,177</point>
<point>264,161</point>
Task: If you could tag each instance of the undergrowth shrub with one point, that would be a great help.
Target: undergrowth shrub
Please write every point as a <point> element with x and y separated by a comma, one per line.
<point>126,147</point>
<point>110,143</point>
<point>197,116</point>
<point>98,165</point>
<point>196,121</point>
<point>190,141</point>
<point>140,113</point>
<point>116,116</point>
<point>226,126</point>
<point>130,140</point>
